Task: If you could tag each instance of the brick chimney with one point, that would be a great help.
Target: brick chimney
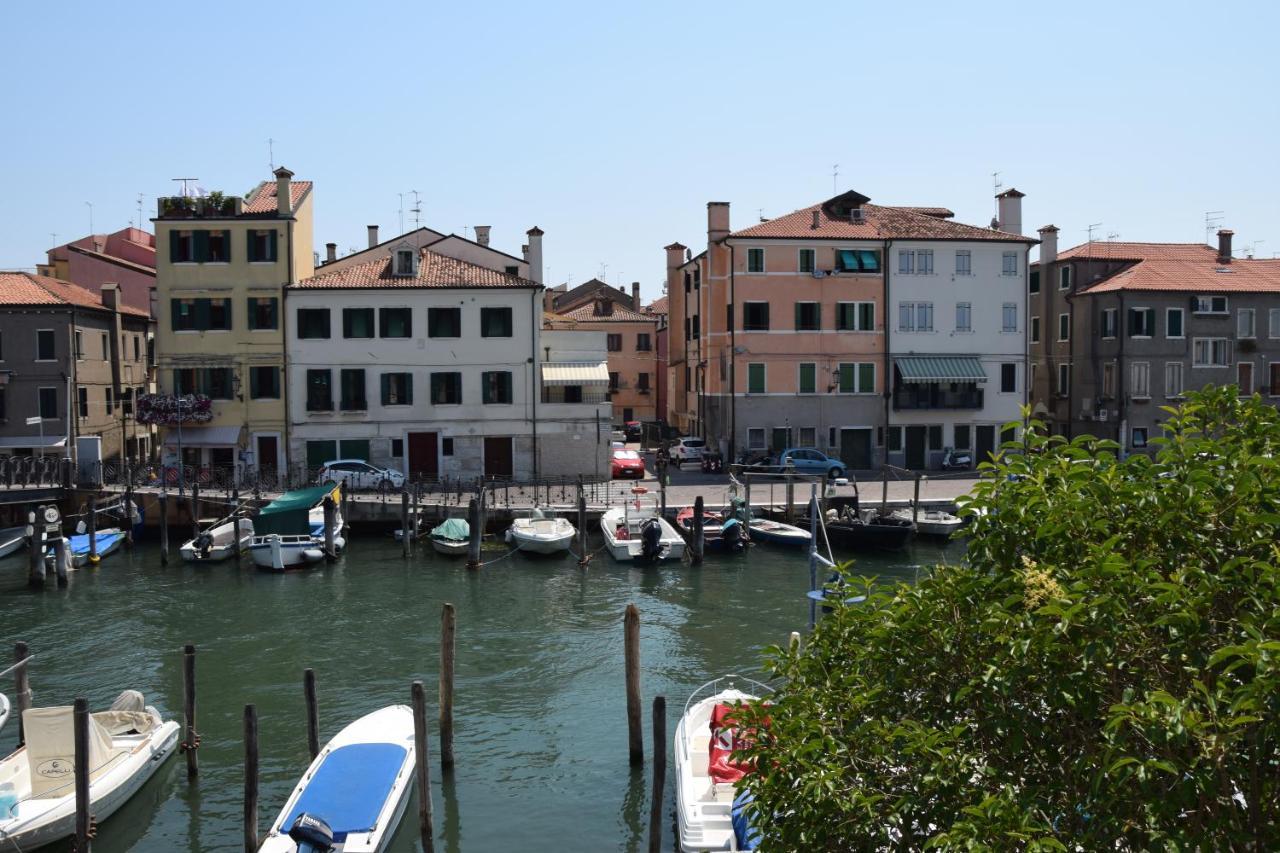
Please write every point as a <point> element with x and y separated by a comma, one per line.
<point>373,235</point>
<point>330,252</point>
<point>284,193</point>
<point>110,295</point>
<point>482,234</point>
<point>535,253</point>
<point>1009,205</point>
<point>1048,245</point>
<point>717,221</point>
<point>1224,245</point>
<point>675,255</point>
<point>635,295</point>
<point>814,226</point>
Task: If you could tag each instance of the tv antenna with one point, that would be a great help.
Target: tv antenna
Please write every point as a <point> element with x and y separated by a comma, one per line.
<point>185,192</point>
<point>1090,230</point>
<point>54,235</point>
<point>416,210</point>
<point>140,198</point>
<point>271,154</point>
<point>1212,219</point>
<point>604,272</point>
<point>835,177</point>
<point>995,191</point>
<point>1251,249</point>
<point>1112,236</point>
<point>401,212</point>
<point>760,212</point>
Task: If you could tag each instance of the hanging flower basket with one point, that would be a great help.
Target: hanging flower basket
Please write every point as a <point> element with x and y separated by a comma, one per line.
<point>170,410</point>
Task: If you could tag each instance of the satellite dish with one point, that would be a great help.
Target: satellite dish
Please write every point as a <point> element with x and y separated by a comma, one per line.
<point>739,350</point>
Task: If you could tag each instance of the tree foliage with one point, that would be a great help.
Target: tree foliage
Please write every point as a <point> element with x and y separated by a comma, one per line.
<point>1100,672</point>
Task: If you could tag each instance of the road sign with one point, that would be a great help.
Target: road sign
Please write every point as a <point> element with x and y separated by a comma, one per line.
<point>36,421</point>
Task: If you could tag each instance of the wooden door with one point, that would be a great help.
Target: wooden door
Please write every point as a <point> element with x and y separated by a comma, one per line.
<point>986,443</point>
<point>268,447</point>
<point>424,458</point>
<point>855,449</point>
<point>498,460</point>
<point>1244,377</point>
<point>915,446</point>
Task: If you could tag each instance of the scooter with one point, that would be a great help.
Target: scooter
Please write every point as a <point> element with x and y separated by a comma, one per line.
<point>957,460</point>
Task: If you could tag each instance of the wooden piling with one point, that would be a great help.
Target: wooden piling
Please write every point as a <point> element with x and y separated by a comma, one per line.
<point>195,506</point>
<point>164,529</point>
<point>915,501</point>
<point>413,513</point>
<point>631,657</point>
<point>473,519</point>
<point>250,779</point>
<point>426,828</point>
<point>448,650</point>
<point>884,487</point>
<point>696,540</point>
<point>61,559</point>
<point>406,540</point>
<point>313,713</point>
<point>662,490</point>
<point>93,531</point>
<point>330,519</point>
<point>128,506</point>
<point>82,769</point>
<point>235,521</point>
<point>791,494</point>
<point>190,740</point>
<point>659,772</point>
<point>344,498</point>
<point>746,496</point>
<point>21,684</point>
<point>35,551</point>
<point>582,527</point>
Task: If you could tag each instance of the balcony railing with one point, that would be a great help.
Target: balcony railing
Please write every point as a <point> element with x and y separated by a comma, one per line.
<point>928,396</point>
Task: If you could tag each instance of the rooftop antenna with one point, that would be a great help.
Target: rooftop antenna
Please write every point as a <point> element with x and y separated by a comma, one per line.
<point>995,191</point>
<point>760,212</point>
<point>271,154</point>
<point>401,212</point>
<point>54,235</point>
<point>1113,235</point>
<point>185,192</point>
<point>1212,218</point>
<point>1251,249</point>
<point>90,204</point>
<point>604,272</point>
<point>140,198</point>
<point>835,176</point>
<point>1090,230</point>
<point>416,210</point>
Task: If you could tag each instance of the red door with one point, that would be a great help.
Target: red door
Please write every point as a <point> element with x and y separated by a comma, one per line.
<point>497,457</point>
<point>424,459</point>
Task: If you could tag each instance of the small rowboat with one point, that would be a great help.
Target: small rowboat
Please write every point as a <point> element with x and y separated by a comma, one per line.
<point>107,542</point>
<point>778,533</point>
<point>451,537</point>
<point>718,534</point>
<point>353,795</point>
<point>931,522</point>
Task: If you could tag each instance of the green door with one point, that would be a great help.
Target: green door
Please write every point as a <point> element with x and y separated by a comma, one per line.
<point>320,452</point>
<point>855,449</point>
<point>354,448</point>
<point>915,446</point>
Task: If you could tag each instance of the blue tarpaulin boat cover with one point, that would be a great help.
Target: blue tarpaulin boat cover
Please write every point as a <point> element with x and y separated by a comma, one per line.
<point>350,787</point>
<point>452,528</point>
<point>747,834</point>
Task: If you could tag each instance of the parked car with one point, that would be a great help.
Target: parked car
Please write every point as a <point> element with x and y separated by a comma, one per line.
<point>360,474</point>
<point>687,449</point>
<point>633,429</point>
<point>625,464</point>
<point>618,435</point>
<point>808,460</point>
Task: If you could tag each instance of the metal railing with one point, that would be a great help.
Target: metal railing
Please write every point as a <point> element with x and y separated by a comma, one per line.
<point>22,472</point>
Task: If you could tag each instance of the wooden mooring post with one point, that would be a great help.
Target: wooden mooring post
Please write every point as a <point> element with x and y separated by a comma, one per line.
<point>915,501</point>
<point>791,494</point>
<point>93,531</point>
<point>35,551</point>
<point>195,507</point>
<point>313,713</point>
<point>235,521</point>
<point>406,536</point>
<point>696,541</point>
<point>659,772</point>
<point>190,740</point>
<point>473,519</point>
<point>448,648</point>
<point>631,659</point>
<point>884,487</point>
<point>21,684</point>
<point>330,519</point>
<point>583,557</point>
<point>250,779</point>
<point>128,506</point>
<point>164,529</point>
<point>82,769</point>
<point>426,827</point>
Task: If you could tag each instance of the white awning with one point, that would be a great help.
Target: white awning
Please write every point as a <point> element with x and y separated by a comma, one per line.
<point>204,436</point>
<point>33,441</point>
<point>575,373</point>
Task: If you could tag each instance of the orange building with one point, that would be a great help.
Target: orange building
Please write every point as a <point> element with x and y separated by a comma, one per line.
<point>633,363</point>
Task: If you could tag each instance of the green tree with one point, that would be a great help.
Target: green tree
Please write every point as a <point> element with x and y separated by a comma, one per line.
<point>1099,674</point>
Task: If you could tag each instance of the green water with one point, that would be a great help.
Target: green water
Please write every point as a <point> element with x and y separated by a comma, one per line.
<point>541,742</point>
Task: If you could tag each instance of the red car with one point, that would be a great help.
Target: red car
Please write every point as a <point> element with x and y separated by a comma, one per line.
<point>627,463</point>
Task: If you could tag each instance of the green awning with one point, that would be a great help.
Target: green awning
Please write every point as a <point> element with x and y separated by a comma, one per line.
<point>288,514</point>
<point>940,368</point>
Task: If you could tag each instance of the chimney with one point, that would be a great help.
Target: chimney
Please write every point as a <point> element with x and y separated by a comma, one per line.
<point>330,252</point>
<point>1224,245</point>
<point>284,196</point>
<point>549,301</point>
<point>535,253</point>
<point>1048,245</point>
<point>675,256</point>
<point>1010,211</point>
<point>814,226</point>
<point>524,252</point>
<point>635,295</point>
<point>717,221</point>
<point>482,234</point>
<point>373,235</point>
<point>604,306</point>
<point>110,295</point>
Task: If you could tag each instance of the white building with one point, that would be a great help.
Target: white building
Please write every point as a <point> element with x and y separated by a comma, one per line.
<point>957,340</point>
<point>432,365</point>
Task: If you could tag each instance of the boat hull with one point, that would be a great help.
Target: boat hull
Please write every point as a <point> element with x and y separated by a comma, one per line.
<point>450,547</point>
<point>869,537</point>
<point>631,550</point>
<point>11,539</point>
<point>107,542</point>
<point>223,543</point>
<point>542,535</point>
<point>777,533</point>
<point>289,552</point>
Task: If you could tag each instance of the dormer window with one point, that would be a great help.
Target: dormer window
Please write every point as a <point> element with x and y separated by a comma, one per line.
<point>406,262</point>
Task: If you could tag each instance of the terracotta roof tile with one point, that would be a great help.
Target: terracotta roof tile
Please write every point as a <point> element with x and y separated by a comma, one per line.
<point>621,314</point>
<point>1116,251</point>
<point>22,289</point>
<point>434,270</point>
<point>1201,276</point>
<point>263,197</point>
<point>877,223</point>
<point>658,306</point>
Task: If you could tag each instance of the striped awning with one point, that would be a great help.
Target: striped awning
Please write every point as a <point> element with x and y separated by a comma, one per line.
<point>575,373</point>
<point>940,368</point>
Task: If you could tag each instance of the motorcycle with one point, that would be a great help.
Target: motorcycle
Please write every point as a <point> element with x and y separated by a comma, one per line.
<point>957,460</point>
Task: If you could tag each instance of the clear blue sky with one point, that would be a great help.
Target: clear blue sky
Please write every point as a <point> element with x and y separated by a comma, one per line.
<point>611,128</point>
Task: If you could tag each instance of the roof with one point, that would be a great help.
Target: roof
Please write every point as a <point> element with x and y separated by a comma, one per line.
<point>877,223</point>
<point>263,197</point>
<point>938,212</point>
<point>658,306</point>
<point>621,314</point>
<point>27,289</point>
<point>1174,267</point>
<point>1116,251</point>
<point>587,291</point>
<point>434,270</point>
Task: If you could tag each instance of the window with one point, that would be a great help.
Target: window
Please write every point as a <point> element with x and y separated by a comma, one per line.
<point>182,247</point>
<point>906,262</point>
<point>137,348</point>
<point>755,438</point>
<point>1064,278</point>
<point>495,322</point>
<point>218,383</point>
<point>808,317</point>
<point>1140,379</point>
<point>808,258</point>
<point>1210,304</point>
<point>1173,323</point>
<point>1274,374</point>
<point>79,339</point>
<point>613,342</point>
<point>396,322</point>
<point>964,262</point>
<point>755,316</point>
<point>264,382</point>
<point>755,378</point>
<point>1244,377</point>
<point>808,436</point>
<point>755,260</point>
<point>219,314</point>
<point>1064,380</point>
<point>111,400</point>
<point>397,447</point>
<point>915,316</point>
<point>808,378</point>
<point>496,386</point>
<point>962,437</point>
<point>1109,380</point>
<point>642,383</point>
<point>697,326</point>
<point>184,381</point>
<point>924,262</point>
<point>1033,286</point>
<point>1142,322</point>
<point>219,247</point>
<point>856,316</point>
<point>353,390</point>
<point>1009,317</point>
<point>1273,323</point>
<point>444,322</point>
<point>446,447</point>
<point>964,317</point>
<point>1209,352</point>
<point>858,378</point>
<point>573,393</point>
<point>1009,264</point>
<point>405,262</point>
<point>313,323</point>
<point>126,400</point>
<point>1108,326</point>
<point>319,391</point>
<point>614,382</point>
<point>446,389</point>
<point>857,260</point>
<point>935,436</point>
<point>780,438</point>
<point>357,322</point>
<point>82,401</point>
<point>1139,438</point>
<point>1035,330</point>
<point>1008,378</point>
<point>1064,327</point>
<point>44,345</point>
<point>642,342</point>
<point>106,347</point>
<point>1173,379</point>
<point>48,403</point>
<point>397,390</point>
<point>262,245</point>
<point>893,439</point>
<point>1245,327</point>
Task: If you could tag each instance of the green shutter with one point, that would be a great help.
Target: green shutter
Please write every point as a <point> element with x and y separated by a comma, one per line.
<point>320,452</point>
<point>866,377</point>
<point>175,312</point>
<point>271,248</point>
<point>201,319</point>
<point>808,378</point>
<point>866,316</point>
<point>173,246</point>
<point>408,389</point>
<point>799,324</point>
<point>201,246</point>
<point>253,383</point>
<point>755,379</point>
<point>386,388</point>
<point>847,385</point>
<point>354,448</point>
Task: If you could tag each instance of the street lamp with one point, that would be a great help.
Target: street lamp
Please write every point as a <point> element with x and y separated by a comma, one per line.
<point>179,402</point>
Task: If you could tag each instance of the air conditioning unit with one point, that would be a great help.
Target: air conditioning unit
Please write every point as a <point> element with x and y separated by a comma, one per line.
<point>1102,415</point>
<point>855,215</point>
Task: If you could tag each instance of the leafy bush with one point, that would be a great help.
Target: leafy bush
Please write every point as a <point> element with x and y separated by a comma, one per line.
<point>1100,673</point>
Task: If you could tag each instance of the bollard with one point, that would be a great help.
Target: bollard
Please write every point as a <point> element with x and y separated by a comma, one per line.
<point>915,501</point>
<point>448,649</point>
<point>631,658</point>
<point>697,543</point>
<point>93,531</point>
<point>35,551</point>
<point>61,559</point>
<point>164,529</point>
<point>22,684</point>
<point>473,519</point>
<point>313,714</point>
<point>426,829</point>
<point>406,541</point>
<point>250,779</point>
<point>190,739</point>
<point>83,825</point>
<point>659,772</point>
<point>330,520</point>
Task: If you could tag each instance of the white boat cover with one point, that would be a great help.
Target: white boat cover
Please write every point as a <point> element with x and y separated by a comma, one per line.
<point>51,748</point>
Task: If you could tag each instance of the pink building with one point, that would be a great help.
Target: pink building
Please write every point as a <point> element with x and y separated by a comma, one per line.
<point>126,257</point>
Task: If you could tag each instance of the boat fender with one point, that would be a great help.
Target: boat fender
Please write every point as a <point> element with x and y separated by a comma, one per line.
<point>651,539</point>
<point>311,834</point>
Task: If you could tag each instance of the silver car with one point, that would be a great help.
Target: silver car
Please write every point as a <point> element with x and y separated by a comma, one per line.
<point>359,474</point>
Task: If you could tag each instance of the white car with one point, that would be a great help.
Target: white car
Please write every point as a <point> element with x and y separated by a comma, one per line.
<point>688,449</point>
<point>360,474</point>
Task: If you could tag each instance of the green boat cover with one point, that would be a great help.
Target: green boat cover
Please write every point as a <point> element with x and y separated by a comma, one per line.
<point>452,528</point>
<point>287,514</point>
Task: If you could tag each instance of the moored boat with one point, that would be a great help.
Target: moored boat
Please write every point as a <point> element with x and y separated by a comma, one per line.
<point>106,542</point>
<point>451,537</point>
<point>718,534</point>
<point>866,530</point>
<point>354,793</point>
<point>931,522</point>
<point>635,532</point>
<point>4,710</point>
<point>541,535</point>
<point>217,542</point>
<point>11,539</point>
<point>778,533</point>
<point>289,532</point>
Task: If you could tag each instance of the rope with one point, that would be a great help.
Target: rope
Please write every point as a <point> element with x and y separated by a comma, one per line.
<point>20,663</point>
<point>497,559</point>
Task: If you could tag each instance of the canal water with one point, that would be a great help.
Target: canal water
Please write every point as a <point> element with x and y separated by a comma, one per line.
<point>541,742</point>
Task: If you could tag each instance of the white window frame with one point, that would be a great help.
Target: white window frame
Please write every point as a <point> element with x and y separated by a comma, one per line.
<point>967,267</point>
<point>1064,379</point>
<point>857,316</point>
<point>1252,314</point>
<point>967,308</point>
<point>800,442</point>
<point>924,261</point>
<point>1150,332</point>
<point>1064,277</point>
<point>764,438</point>
<point>1004,263</point>
<point>1061,317</point>
<point>908,255</point>
<point>1182,322</point>
<point>1212,344</point>
<point>1175,394</point>
<point>1202,299</point>
<point>1109,319</point>
<point>763,261</point>
<point>813,253</point>
<point>1140,380</point>
<point>1035,328</point>
<point>1014,365</point>
<point>1133,438</point>
<point>1007,310</point>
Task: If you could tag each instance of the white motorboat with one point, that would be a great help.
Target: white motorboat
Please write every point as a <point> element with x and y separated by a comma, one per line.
<point>708,813</point>
<point>127,744</point>
<point>636,531</point>
<point>218,542</point>
<point>541,535</point>
<point>353,795</point>
<point>451,537</point>
<point>931,522</point>
<point>4,710</point>
<point>289,531</point>
<point>11,539</point>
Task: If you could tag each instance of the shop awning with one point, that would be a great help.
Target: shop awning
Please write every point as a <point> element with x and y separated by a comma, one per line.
<point>576,373</point>
<point>204,436</point>
<point>940,368</point>
<point>33,441</point>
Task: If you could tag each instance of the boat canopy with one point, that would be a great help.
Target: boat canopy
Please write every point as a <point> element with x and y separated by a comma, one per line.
<point>51,749</point>
<point>287,514</point>
<point>452,528</point>
<point>350,787</point>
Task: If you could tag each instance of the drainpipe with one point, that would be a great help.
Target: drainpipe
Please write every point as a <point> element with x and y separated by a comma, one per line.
<point>733,355</point>
<point>535,386</point>
<point>1121,389</point>
<point>888,362</point>
<point>284,364</point>
<point>73,381</point>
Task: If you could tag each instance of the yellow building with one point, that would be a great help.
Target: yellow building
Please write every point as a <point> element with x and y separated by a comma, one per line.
<point>221,265</point>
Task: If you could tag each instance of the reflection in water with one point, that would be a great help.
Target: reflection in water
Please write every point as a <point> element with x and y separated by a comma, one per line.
<point>634,810</point>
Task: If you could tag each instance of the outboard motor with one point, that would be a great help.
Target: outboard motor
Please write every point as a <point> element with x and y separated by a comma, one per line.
<point>651,539</point>
<point>731,536</point>
<point>203,544</point>
<point>311,834</point>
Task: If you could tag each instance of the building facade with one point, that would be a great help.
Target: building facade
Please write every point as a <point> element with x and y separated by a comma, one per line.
<point>662,347</point>
<point>631,343</point>
<point>222,266</point>
<point>126,258</point>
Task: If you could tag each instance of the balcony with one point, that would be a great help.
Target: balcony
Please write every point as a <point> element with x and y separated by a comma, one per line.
<point>214,205</point>
<point>950,395</point>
